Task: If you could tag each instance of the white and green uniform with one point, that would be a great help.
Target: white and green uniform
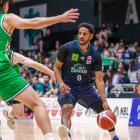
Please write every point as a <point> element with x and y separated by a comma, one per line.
<point>11,83</point>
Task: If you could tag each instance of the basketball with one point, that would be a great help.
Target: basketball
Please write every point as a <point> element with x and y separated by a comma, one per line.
<point>106,120</point>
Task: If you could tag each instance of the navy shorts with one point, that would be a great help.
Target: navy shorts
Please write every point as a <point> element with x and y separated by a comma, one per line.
<point>87,96</point>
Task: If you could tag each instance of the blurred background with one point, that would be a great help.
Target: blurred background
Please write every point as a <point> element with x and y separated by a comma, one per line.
<point>117,38</point>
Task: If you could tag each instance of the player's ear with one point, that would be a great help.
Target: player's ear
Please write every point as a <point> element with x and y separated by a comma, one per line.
<point>91,37</point>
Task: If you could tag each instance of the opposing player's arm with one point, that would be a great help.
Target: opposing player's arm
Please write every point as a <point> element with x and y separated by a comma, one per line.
<point>20,59</point>
<point>16,22</point>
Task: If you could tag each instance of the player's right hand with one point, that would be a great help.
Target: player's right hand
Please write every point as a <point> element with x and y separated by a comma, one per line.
<point>63,88</point>
<point>70,15</point>
<point>106,106</point>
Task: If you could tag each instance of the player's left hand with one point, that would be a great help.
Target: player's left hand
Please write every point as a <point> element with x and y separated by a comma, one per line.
<point>106,106</point>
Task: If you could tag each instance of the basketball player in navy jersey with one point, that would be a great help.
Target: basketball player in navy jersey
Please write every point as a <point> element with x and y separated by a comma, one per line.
<point>75,65</point>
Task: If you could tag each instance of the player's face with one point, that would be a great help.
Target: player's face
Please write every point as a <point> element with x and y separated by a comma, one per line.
<point>84,36</point>
<point>6,7</point>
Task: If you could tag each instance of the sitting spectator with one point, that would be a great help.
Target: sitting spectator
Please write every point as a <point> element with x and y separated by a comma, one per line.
<point>38,87</point>
<point>46,79</point>
<point>124,78</point>
<point>53,88</point>
<point>127,57</point>
<point>116,77</point>
<point>54,52</point>
<point>107,60</point>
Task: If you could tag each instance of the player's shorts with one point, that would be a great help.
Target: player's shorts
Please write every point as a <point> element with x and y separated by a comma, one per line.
<point>11,83</point>
<point>87,96</point>
<point>12,102</point>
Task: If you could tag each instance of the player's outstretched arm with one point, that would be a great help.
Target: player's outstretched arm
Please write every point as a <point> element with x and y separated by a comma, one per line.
<point>20,59</point>
<point>16,22</point>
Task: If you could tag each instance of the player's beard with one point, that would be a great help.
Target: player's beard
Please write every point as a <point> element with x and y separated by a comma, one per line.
<point>84,42</point>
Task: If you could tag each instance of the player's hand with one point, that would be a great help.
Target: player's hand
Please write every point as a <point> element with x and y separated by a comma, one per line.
<point>106,106</point>
<point>64,88</point>
<point>52,76</point>
<point>70,15</point>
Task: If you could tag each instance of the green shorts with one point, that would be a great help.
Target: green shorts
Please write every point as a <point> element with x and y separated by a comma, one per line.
<point>11,83</point>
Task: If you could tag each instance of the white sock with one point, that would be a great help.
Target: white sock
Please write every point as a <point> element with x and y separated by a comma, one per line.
<point>69,132</point>
<point>49,136</point>
<point>112,134</point>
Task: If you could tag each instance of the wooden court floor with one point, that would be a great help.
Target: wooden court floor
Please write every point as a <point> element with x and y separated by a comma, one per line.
<point>27,130</point>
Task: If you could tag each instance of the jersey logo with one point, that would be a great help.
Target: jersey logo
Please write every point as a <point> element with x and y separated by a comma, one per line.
<point>75,57</point>
<point>89,60</point>
<point>78,68</point>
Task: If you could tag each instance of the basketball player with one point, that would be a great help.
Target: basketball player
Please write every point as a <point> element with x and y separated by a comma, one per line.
<point>18,108</point>
<point>76,63</point>
<point>12,85</point>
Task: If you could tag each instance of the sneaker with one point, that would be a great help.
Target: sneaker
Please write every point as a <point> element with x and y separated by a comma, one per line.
<point>10,120</point>
<point>63,133</point>
<point>115,138</point>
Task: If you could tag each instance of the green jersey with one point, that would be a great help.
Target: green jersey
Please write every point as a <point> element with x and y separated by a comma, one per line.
<point>15,66</point>
<point>11,83</point>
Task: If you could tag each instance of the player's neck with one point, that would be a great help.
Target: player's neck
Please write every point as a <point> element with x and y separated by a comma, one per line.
<point>84,48</point>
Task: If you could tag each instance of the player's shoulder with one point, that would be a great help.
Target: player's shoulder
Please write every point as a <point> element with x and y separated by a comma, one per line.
<point>10,17</point>
<point>70,44</point>
<point>94,49</point>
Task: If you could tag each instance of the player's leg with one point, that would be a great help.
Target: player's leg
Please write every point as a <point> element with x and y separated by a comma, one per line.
<point>17,111</point>
<point>29,98</point>
<point>91,99</point>
<point>0,130</point>
<point>67,103</point>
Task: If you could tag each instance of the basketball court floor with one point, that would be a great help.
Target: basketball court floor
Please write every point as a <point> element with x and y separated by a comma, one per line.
<point>27,130</point>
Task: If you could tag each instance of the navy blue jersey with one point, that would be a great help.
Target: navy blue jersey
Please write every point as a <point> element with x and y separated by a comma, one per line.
<point>78,67</point>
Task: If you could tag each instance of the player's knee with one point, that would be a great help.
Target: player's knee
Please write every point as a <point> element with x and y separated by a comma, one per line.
<point>36,103</point>
<point>67,110</point>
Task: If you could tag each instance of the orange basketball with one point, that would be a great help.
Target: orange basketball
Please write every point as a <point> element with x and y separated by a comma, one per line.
<point>106,120</point>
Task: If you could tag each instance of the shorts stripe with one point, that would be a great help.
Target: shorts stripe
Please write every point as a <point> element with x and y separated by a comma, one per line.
<point>18,93</point>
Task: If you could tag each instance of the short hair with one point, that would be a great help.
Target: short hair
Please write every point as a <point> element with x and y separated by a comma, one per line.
<point>89,26</point>
<point>2,2</point>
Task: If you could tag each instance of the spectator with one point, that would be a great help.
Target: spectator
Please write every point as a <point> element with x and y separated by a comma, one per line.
<point>107,60</point>
<point>38,87</point>
<point>53,53</point>
<point>124,78</point>
<point>47,42</point>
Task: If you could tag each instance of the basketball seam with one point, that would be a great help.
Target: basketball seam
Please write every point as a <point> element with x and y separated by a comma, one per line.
<point>110,119</point>
<point>104,115</point>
